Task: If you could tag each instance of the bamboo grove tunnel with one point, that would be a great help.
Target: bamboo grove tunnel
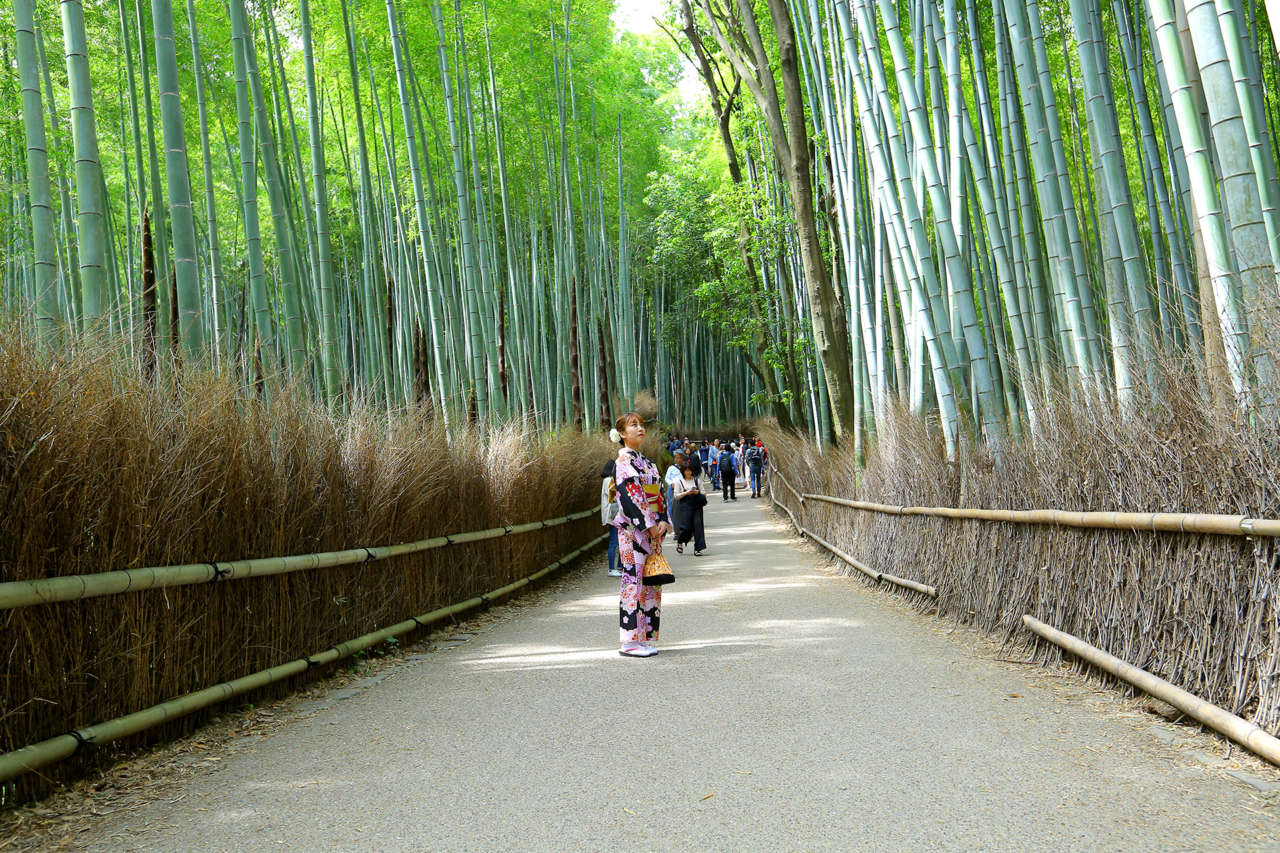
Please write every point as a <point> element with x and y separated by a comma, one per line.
<point>317,315</point>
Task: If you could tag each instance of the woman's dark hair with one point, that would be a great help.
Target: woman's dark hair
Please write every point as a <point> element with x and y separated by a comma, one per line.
<point>625,421</point>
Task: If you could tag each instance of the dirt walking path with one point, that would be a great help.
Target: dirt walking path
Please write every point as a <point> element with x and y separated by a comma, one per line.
<point>790,708</point>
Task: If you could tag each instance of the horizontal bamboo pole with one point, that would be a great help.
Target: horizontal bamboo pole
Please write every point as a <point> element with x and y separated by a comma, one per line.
<point>785,482</point>
<point>1243,732</point>
<point>1170,522</point>
<point>62,746</point>
<point>76,587</point>
<point>787,510</point>
<point>930,591</point>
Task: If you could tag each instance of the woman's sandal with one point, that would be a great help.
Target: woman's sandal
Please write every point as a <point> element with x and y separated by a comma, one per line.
<point>679,548</point>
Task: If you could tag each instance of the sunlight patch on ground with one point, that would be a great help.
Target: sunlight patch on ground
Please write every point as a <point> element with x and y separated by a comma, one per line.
<point>512,658</point>
<point>539,657</point>
<point>827,623</point>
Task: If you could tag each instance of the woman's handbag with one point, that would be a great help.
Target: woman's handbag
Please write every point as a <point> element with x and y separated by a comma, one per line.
<point>657,571</point>
<point>697,501</point>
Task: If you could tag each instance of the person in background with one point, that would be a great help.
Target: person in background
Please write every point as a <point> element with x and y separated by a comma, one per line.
<point>642,525</point>
<point>688,512</point>
<point>704,455</point>
<point>609,507</point>
<point>713,464</point>
<point>728,474</point>
<point>755,466</point>
<point>673,473</point>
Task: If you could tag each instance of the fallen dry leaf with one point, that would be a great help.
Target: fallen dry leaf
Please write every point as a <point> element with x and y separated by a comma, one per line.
<point>707,797</point>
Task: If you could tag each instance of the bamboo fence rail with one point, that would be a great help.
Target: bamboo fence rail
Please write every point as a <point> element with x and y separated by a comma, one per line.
<point>62,746</point>
<point>930,591</point>
<point>776,473</point>
<point>1249,735</point>
<point>76,587</point>
<point>1168,522</point>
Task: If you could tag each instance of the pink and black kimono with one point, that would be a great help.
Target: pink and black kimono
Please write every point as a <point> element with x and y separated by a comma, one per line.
<point>640,492</point>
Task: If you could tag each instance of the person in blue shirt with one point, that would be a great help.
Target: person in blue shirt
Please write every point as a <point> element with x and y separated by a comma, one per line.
<point>713,464</point>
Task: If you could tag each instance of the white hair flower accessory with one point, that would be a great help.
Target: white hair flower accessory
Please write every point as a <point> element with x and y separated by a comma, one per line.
<point>615,436</point>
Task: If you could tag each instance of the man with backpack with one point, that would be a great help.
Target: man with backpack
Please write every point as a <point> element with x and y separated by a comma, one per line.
<point>728,474</point>
<point>755,466</point>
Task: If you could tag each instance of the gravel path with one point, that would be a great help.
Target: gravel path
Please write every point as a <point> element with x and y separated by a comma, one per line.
<point>790,709</point>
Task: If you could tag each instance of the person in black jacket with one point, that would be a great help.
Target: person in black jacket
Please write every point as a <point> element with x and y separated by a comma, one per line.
<point>728,473</point>
<point>687,511</point>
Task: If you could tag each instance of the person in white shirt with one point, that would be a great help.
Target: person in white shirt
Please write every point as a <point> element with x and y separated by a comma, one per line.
<point>673,473</point>
<point>609,509</point>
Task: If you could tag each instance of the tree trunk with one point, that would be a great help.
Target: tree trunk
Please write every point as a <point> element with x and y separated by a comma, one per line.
<point>574,360</point>
<point>148,300</point>
<point>830,334</point>
<point>603,380</point>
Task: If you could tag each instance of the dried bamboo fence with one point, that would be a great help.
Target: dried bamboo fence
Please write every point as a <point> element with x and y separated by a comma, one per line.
<point>992,566</point>
<point>215,577</point>
<point>62,746</point>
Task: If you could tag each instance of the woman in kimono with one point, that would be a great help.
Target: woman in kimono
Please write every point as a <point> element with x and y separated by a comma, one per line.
<point>642,525</point>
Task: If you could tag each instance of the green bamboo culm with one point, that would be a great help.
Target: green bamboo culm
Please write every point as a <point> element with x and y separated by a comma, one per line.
<point>319,187</point>
<point>186,272</point>
<point>43,240</point>
<point>90,200</point>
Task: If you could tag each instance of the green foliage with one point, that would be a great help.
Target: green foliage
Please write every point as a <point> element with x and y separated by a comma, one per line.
<point>704,231</point>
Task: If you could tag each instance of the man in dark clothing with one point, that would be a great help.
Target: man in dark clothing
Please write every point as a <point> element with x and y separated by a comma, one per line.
<point>728,474</point>
<point>755,466</point>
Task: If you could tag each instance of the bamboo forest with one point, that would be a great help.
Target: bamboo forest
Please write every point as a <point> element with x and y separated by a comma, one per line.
<point>508,208</point>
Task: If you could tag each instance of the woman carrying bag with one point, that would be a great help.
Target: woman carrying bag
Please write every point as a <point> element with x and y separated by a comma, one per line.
<point>689,501</point>
<point>642,525</point>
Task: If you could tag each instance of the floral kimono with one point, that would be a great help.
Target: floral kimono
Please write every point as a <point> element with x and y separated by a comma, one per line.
<point>640,492</point>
